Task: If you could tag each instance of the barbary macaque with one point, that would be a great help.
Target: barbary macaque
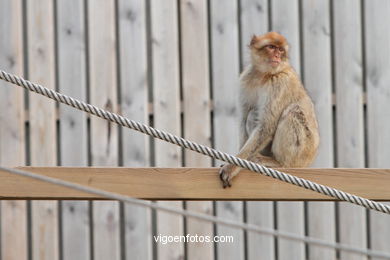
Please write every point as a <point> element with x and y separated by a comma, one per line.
<point>278,127</point>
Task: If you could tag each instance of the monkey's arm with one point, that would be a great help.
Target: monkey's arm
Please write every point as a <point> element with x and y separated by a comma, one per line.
<point>243,122</point>
<point>257,141</point>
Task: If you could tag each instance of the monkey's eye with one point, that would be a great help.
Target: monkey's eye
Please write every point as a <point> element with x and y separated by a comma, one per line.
<point>273,47</point>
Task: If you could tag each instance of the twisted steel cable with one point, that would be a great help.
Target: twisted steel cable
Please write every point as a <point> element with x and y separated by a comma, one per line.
<point>344,196</point>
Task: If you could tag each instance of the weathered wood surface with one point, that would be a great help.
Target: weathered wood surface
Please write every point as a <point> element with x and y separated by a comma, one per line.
<point>377,66</point>
<point>104,135</point>
<point>195,183</point>
<point>41,61</point>
<point>317,77</point>
<point>166,100</point>
<point>225,68</point>
<point>133,83</point>
<point>338,47</point>
<point>73,135</point>
<point>12,130</point>
<point>348,75</point>
<point>196,100</point>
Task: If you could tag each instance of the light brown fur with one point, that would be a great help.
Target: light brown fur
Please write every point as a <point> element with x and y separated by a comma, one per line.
<point>278,125</point>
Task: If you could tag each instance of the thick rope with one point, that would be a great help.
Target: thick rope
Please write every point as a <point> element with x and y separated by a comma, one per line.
<point>344,196</point>
<point>200,216</point>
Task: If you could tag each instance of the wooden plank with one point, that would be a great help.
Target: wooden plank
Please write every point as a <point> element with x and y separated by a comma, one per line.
<point>290,215</point>
<point>104,135</point>
<point>196,98</point>
<point>134,105</point>
<point>73,124</point>
<point>12,141</point>
<point>254,19</point>
<point>225,75</point>
<point>194,183</point>
<point>349,115</point>
<point>40,21</point>
<point>285,20</point>
<point>260,214</point>
<point>318,81</point>
<point>378,97</point>
<point>166,100</point>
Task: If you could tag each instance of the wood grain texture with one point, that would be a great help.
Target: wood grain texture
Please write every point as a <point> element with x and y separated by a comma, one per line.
<point>254,17</point>
<point>225,87</point>
<point>317,77</point>
<point>290,215</point>
<point>104,135</point>
<point>71,34</point>
<point>377,69</point>
<point>12,131</point>
<point>334,45</point>
<point>134,104</point>
<point>195,183</point>
<point>166,100</point>
<point>43,145</point>
<point>348,69</point>
<point>196,100</point>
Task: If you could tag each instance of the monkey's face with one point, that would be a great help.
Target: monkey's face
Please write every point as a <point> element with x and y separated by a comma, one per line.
<point>274,54</point>
<point>269,51</point>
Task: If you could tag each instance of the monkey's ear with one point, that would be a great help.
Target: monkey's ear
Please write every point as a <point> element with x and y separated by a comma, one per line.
<point>253,41</point>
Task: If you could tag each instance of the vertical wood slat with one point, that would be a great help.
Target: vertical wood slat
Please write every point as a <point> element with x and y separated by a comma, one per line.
<point>254,19</point>
<point>42,123</point>
<point>134,101</point>
<point>12,140</point>
<point>73,124</point>
<point>166,101</point>
<point>196,97</point>
<point>290,215</point>
<point>318,81</point>
<point>225,73</point>
<point>349,115</point>
<point>377,41</point>
<point>104,135</point>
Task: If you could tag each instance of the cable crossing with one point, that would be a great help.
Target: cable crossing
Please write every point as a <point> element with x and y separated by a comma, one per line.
<point>213,153</point>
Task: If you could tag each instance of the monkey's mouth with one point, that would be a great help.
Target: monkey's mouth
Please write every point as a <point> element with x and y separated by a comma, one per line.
<point>274,62</point>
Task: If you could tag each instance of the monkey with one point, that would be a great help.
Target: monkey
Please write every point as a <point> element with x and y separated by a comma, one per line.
<point>278,126</point>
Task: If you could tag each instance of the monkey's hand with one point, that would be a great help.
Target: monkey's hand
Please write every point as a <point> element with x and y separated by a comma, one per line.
<point>226,174</point>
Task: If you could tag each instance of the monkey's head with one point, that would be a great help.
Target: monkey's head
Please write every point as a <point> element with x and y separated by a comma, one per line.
<point>269,52</point>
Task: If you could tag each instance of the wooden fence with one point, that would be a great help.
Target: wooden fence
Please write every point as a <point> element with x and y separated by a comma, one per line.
<point>175,65</point>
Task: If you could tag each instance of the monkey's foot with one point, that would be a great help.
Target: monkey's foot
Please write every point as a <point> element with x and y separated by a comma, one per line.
<point>226,174</point>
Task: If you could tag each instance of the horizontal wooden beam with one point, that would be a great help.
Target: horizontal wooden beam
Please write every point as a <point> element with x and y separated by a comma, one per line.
<point>192,184</point>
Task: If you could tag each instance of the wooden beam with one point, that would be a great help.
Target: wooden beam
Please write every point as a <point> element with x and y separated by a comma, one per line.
<point>193,184</point>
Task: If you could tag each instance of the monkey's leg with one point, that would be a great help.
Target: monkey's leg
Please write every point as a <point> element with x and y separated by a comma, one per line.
<point>267,161</point>
<point>292,143</point>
